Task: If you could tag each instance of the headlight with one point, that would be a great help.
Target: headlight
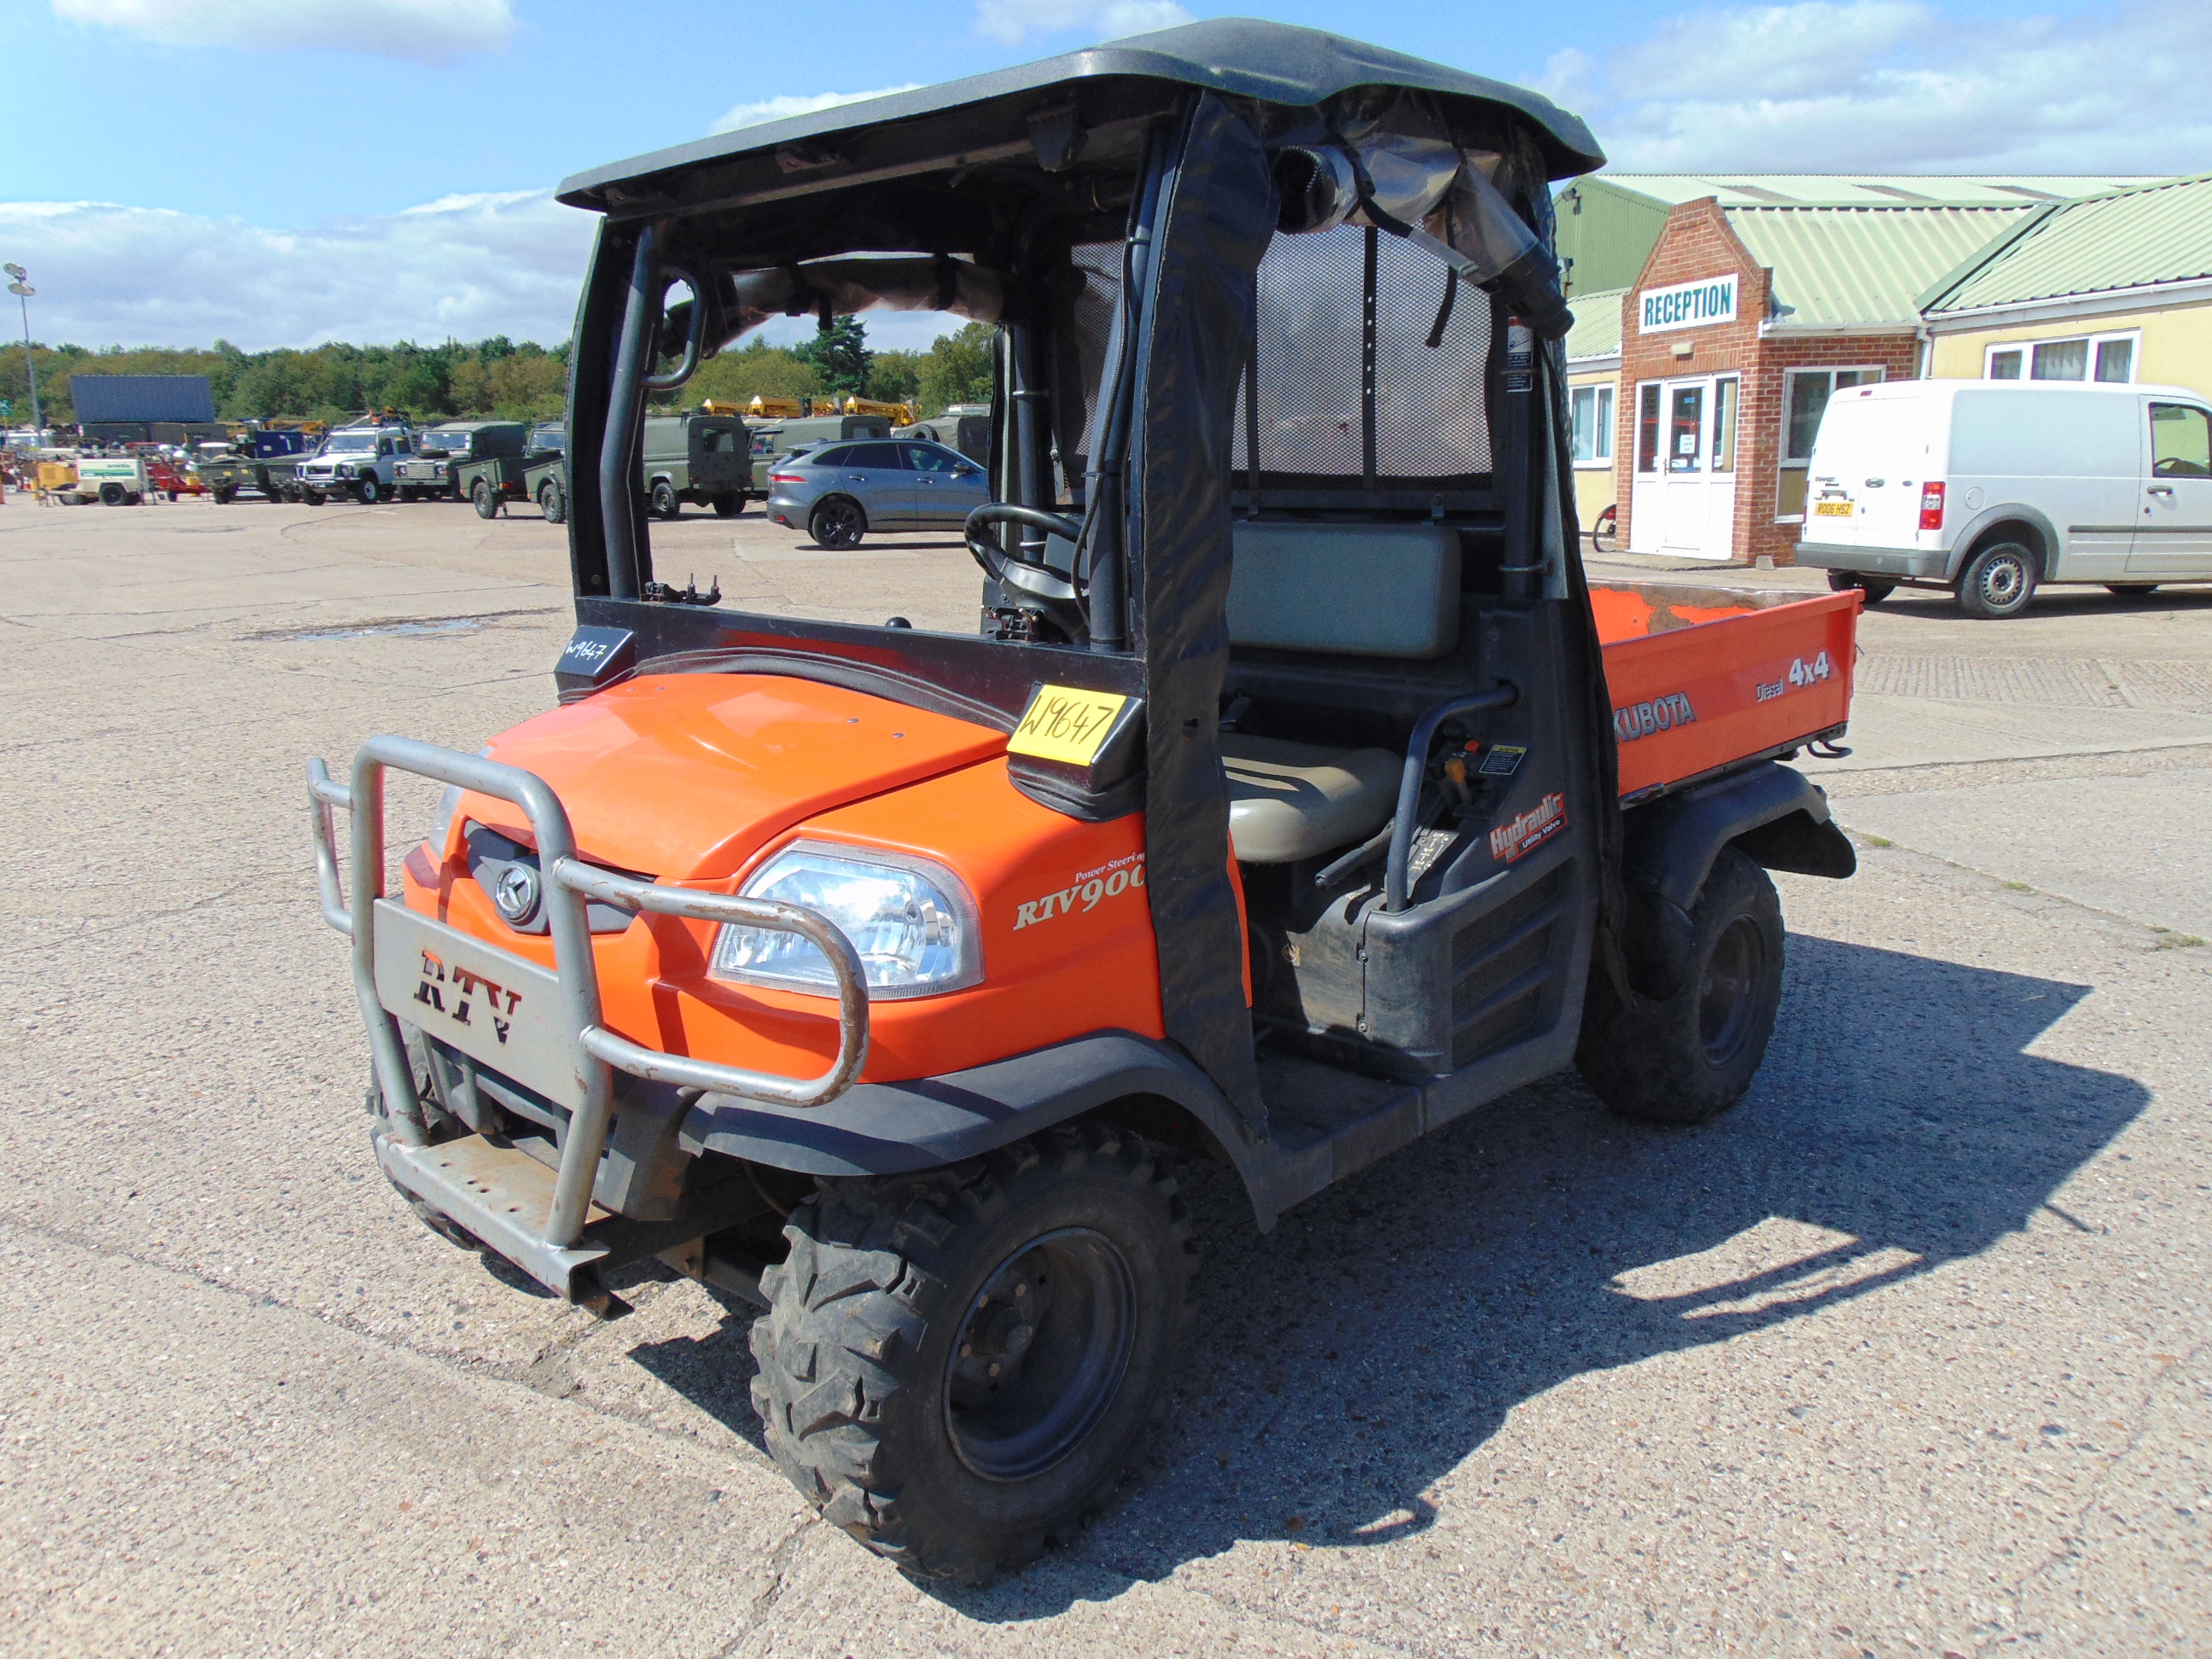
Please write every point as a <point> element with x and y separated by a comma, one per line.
<point>911,922</point>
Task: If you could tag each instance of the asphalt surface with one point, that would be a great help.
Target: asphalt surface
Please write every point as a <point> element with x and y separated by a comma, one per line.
<point>1906,1356</point>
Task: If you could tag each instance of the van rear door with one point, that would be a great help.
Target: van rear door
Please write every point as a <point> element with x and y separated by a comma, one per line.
<point>1870,459</point>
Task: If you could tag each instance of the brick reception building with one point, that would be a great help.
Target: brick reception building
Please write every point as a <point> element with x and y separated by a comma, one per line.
<point>1753,301</point>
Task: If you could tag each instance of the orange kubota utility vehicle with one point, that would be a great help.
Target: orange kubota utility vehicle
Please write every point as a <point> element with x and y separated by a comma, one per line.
<point>1276,813</point>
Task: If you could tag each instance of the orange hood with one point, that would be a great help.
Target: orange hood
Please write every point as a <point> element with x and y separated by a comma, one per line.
<point>685,776</point>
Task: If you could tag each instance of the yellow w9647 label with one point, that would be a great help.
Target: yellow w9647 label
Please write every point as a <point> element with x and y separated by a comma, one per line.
<point>1064,724</point>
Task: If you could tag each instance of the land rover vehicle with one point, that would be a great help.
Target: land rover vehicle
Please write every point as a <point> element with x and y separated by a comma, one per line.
<point>838,492</point>
<point>1278,812</point>
<point>534,471</point>
<point>361,461</point>
<point>441,452</point>
<point>1993,489</point>
<point>706,459</point>
<point>263,458</point>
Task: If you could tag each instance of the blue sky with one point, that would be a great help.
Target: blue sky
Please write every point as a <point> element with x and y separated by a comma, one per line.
<point>280,172</point>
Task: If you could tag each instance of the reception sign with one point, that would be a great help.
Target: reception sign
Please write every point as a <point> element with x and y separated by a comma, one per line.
<point>1686,305</point>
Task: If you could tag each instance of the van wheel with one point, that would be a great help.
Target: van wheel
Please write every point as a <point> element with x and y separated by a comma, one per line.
<point>956,1364</point>
<point>1688,1058</point>
<point>1875,589</point>
<point>1997,582</point>
<point>2131,590</point>
<point>551,502</point>
<point>665,502</point>
<point>838,522</point>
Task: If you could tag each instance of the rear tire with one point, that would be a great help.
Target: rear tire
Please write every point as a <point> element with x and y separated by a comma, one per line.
<point>1997,582</point>
<point>2130,590</point>
<point>485,499</point>
<point>1688,1058</point>
<point>956,1364</point>
<point>1605,530</point>
<point>1875,589</point>
<point>552,502</point>
<point>837,523</point>
<point>665,503</point>
<point>729,507</point>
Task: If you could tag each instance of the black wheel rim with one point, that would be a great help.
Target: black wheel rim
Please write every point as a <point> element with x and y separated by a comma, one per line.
<point>841,524</point>
<point>1730,990</point>
<point>1041,1355</point>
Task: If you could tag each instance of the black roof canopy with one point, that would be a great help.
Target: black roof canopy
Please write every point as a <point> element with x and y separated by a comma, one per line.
<point>1276,63</point>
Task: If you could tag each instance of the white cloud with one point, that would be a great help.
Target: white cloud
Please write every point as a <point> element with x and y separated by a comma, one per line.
<point>470,266</point>
<point>779,109</point>
<point>1015,21</point>
<point>426,31</point>
<point>1833,85</point>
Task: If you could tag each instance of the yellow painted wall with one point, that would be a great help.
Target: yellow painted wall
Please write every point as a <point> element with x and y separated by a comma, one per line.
<point>1594,487</point>
<point>2176,348</point>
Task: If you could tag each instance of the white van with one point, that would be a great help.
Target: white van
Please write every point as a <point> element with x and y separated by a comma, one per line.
<point>1991,488</point>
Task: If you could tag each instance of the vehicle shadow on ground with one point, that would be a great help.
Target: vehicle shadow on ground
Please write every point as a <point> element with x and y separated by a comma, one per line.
<point>1343,1364</point>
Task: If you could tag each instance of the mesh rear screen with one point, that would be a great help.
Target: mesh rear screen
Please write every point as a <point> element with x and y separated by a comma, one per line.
<point>1431,422</point>
<point>1092,315</point>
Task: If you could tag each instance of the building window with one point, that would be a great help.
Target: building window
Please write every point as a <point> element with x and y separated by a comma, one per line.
<point>1806,392</point>
<point>2109,358</point>
<point>1724,451</point>
<point>1590,408</point>
<point>1647,427</point>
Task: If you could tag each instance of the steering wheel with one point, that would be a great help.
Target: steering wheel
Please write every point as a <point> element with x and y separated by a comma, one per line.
<point>1028,580</point>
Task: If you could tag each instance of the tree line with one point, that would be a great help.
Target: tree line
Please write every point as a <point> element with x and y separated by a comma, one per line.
<point>500,378</point>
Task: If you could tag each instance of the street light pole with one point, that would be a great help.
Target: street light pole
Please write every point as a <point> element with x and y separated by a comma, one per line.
<point>22,288</point>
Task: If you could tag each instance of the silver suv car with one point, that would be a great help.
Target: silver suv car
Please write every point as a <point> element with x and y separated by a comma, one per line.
<point>841,491</point>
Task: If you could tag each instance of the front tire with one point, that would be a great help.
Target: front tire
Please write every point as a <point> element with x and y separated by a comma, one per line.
<point>1688,1058</point>
<point>837,523</point>
<point>367,492</point>
<point>956,1364</point>
<point>1997,582</point>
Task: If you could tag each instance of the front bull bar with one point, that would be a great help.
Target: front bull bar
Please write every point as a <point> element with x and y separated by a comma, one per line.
<point>594,1053</point>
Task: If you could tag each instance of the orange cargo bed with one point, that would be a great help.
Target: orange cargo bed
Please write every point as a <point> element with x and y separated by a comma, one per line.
<point>1702,677</point>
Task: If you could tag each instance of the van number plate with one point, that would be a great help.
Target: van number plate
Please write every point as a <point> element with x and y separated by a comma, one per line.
<point>1831,509</point>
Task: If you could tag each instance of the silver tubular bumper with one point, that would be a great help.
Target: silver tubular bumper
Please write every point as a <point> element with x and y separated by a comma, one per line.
<point>545,1029</point>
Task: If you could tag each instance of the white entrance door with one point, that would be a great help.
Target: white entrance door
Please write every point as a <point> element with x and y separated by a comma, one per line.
<point>1685,503</point>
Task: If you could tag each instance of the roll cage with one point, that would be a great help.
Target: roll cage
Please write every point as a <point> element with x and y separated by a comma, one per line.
<point>1238,270</point>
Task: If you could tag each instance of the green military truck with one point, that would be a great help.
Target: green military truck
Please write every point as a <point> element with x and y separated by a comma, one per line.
<point>536,470</point>
<point>263,458</point>
<point>700,458</point>
<point>441,452</point>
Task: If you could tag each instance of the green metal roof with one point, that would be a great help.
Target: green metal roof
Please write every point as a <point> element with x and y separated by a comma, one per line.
<point>1863,267</point>
<point>1596,332</point>
<point>2124,239</point>
<point>1867,189</point>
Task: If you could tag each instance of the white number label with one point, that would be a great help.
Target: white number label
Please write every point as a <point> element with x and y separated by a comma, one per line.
<point>1803,673</point>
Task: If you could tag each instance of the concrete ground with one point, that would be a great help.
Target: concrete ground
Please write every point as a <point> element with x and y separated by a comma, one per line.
<point>1908,1355</point>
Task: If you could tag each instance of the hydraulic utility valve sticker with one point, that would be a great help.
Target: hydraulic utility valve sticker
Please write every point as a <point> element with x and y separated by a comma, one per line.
<point>1090,890</point>
<point>1064,724</point>
<point>1526,831</point>
<point>1660,714</point>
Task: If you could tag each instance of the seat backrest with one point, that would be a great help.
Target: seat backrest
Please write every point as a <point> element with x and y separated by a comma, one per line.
<point>1363,590</point>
